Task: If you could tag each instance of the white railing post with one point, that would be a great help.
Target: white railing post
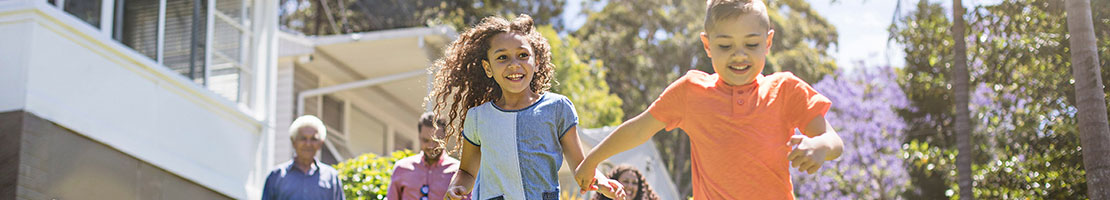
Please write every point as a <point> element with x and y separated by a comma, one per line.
<point>107,8</point>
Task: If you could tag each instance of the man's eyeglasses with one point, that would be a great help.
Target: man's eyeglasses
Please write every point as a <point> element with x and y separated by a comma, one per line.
<point>424,191</point>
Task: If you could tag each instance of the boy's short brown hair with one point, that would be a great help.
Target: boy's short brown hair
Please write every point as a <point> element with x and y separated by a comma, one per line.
<point>716,10</point>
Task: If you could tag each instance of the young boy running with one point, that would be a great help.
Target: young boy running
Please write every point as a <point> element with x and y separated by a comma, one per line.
<point>741,124</point>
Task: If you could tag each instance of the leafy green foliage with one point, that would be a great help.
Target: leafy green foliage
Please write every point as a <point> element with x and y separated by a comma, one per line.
<point>802,39</point>
<point>583,81</point>
<point>368,176</point>
<point>316,17</point>
<point>1025,140</point>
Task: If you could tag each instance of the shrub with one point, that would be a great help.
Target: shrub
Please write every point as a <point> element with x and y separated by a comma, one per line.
<point>368,176</point>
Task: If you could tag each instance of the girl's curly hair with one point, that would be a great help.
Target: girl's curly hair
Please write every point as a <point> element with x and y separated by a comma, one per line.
<point>644,191</point>
<point>460,80</point>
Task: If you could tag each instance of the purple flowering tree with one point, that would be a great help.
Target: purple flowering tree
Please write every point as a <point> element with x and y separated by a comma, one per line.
<point>864,114</point>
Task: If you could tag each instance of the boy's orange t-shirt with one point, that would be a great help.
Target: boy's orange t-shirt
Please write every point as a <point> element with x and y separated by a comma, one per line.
<point>738,134</point>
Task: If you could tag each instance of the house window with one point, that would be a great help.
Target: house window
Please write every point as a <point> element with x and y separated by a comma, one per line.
<point>207,44</point>
<point>230,43</point>
<point>138,26</point>
<point>86,10</point>
<point>184,39</point>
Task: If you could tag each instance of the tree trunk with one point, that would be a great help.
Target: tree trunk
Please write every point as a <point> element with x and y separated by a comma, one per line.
<point>319,17</point>
<point>1093,127</point>
<point>963,121</point>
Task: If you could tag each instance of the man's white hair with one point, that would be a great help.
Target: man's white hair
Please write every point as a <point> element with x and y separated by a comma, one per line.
<point>308,121</point>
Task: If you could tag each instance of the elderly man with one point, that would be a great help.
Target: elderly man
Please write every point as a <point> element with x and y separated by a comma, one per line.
<point>304,177</point>
<point>427,175</point>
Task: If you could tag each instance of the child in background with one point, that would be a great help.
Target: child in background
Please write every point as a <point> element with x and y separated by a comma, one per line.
<point>635,185</point>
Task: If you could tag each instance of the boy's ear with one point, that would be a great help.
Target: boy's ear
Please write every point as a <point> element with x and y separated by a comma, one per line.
<point>705,44</point>
<point>770,37</point>
<point>487,69</point>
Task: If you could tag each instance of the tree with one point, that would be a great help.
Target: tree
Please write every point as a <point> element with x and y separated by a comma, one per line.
<point>963,123</point>
<point>1094,129</point>
<point>802,40</point>
<point>1022,100</point>
<point>873,168</point>
<point>583,82</point>
<point>326,17</point>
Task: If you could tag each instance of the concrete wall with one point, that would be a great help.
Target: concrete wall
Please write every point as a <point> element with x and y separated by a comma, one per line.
<point>13,61</point>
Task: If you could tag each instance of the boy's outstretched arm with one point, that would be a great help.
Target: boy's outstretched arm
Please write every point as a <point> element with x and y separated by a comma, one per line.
<point>572,151</point>
<point>463,181</point>
<point>628,135</point>
<point>820,144</point>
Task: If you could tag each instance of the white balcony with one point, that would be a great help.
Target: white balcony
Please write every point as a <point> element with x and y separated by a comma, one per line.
<point>215,132</point>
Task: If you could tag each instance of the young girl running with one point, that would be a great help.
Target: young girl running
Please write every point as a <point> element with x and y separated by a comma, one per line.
<point>494,79</point>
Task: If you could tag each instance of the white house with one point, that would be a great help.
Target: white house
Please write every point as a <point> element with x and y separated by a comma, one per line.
<point>136,99</point>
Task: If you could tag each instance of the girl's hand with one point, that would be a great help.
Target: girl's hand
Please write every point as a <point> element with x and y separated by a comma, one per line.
<point>456,192</point>
<point>808,155</point>
<point>612,189</point>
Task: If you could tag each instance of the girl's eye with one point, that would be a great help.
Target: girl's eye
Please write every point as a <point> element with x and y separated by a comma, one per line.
<point>724,46</point>
<point>502,57</point>
<point>752,45</point>
<point>523,55</point>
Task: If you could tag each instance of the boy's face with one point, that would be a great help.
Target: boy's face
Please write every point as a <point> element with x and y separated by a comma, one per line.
<point>510,63</point>
<point>738,47</point>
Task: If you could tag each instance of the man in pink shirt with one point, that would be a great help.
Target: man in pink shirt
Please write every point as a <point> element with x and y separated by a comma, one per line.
<point>426,175</point>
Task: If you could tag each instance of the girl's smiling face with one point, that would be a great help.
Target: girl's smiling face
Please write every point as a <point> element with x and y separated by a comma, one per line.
<point>631,183</point>
<point>510,62</point>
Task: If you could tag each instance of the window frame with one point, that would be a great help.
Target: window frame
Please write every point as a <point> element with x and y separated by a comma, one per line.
<point>246,70</point>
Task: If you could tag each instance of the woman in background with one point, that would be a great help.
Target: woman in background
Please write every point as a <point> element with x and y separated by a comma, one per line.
<point>635,185</point>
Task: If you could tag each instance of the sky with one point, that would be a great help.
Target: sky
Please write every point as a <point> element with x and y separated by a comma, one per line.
<point>862,28</point>
<point>861,24</point>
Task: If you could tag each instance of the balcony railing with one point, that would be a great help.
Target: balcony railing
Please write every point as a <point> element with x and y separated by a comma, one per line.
<point>206,41</point>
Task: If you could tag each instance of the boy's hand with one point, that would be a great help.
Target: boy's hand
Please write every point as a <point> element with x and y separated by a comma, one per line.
<point>612,189</point>
<point>806,156</point>
<point>456,192</point>
<point>584,175</point>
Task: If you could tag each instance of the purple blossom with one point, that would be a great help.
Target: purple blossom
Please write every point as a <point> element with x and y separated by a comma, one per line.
<point>864,114</point>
